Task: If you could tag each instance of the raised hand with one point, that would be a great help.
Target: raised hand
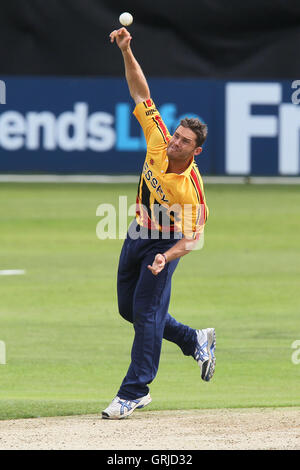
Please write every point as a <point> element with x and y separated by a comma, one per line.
<point>122,38</point>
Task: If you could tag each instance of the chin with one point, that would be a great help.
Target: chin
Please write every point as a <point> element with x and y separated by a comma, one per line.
<point>171,155</point>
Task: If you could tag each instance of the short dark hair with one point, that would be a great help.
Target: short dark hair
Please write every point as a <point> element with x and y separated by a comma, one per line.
<point>198,127</point>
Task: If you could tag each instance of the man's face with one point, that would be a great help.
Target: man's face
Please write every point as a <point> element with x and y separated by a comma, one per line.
<point>182,145</point>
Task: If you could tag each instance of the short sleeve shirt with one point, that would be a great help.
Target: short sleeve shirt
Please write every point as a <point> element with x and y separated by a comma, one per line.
<point>167,201</point>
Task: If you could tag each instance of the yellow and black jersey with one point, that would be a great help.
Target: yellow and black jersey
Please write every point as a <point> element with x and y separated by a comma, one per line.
<point>167,201</point>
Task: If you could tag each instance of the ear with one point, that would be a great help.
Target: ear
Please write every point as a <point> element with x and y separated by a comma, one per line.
<point>197,151</point>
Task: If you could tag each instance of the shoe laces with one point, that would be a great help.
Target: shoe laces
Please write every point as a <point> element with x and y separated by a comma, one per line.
<point>201,353</point>
<point>126,404</point>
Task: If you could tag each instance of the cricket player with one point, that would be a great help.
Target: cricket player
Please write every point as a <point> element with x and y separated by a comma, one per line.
<point>162,232</point>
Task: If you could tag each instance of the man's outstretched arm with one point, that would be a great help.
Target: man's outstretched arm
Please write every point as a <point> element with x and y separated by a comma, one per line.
<point>181,248</point>
<point>137,83</point>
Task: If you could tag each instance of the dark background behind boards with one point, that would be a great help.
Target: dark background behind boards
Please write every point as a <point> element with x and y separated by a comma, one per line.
<point>200,38</point>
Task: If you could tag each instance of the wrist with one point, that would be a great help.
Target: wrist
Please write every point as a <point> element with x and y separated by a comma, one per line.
<point>165,256</point>
<point>126,49</point>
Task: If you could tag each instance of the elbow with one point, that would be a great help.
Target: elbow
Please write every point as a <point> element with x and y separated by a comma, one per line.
<point>139,98</point>
<point>191,244</point>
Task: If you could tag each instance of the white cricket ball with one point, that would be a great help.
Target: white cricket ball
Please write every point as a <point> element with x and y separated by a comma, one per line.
<point>126,19</point>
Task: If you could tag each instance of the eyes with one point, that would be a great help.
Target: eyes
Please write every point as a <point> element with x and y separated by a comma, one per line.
<point>183,139</point>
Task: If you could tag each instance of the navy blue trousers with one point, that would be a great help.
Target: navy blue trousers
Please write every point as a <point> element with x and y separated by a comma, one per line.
<point>143,300</point>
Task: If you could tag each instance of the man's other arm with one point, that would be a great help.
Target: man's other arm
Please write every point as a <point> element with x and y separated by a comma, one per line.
<point>181,248</point>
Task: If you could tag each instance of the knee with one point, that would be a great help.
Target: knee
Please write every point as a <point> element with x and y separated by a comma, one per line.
<point>125,311</point>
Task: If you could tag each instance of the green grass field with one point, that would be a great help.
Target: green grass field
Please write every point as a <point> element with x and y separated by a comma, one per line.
<point>68,349</point>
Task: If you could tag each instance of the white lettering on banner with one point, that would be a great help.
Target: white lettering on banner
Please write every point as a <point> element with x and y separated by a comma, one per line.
<point>37,121</point>
<point>102,135</point>
<point>2,92</point>
<point>289,149</point>
<point>295,96</point>
<point>241,126</point>
<point>12,129</point>
<point>71,130</point>
<point>74,121</point>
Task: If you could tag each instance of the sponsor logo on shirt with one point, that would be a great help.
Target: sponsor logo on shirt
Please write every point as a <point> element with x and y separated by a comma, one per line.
<point>154,182</point>
<point>150,112</point>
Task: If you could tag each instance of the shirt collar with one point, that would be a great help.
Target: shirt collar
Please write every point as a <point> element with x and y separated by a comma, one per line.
<point>184,173</point>
<point>189,168</point>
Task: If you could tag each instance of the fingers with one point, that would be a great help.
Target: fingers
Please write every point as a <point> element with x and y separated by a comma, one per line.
<point>153,270</point>
<point>157,265</point>
<point>119,32</point>
<point>122,31</point>
<point>113,35</point>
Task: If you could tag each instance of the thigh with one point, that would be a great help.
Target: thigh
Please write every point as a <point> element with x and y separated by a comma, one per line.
<point>128,275</point>
<point>152,293</point>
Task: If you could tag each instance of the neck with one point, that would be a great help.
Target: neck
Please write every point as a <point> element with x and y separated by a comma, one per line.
<point>178,167</point>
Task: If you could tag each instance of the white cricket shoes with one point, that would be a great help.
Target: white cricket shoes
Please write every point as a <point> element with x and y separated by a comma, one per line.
<point>205,352</point>
<point>120,408</point>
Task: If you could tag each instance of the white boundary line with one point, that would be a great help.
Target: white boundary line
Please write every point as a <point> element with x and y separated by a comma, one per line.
<point>12,272</point>
<point>68,178</point>
<point>2,352</point>
<point>117,179</point>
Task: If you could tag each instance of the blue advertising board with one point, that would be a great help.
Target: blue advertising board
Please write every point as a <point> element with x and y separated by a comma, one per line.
<point>86,125</point>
